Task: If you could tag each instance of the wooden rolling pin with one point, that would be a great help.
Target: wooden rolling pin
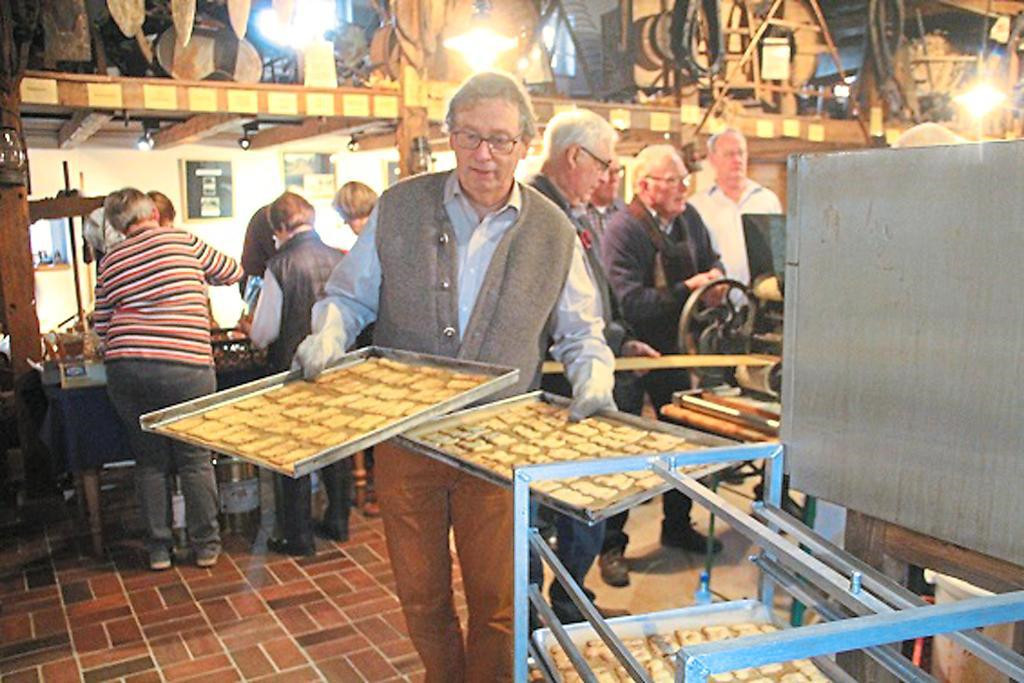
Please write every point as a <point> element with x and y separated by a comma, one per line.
<point>678,361</point>
<point>692,418</point>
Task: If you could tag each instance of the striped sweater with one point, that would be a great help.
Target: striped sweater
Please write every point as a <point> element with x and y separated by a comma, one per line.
<point>151,296</point>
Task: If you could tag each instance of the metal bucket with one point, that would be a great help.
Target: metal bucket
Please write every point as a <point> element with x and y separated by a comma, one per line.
<point>238,486</point>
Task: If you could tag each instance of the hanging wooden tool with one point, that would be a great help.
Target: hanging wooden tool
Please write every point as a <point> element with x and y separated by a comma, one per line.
<point>184,14</point>
<point>128,15</point>
<point>238,12</point>
<point>210,55</point>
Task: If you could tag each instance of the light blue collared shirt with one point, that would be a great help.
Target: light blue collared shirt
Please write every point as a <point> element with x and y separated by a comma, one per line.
<point>353,290</point>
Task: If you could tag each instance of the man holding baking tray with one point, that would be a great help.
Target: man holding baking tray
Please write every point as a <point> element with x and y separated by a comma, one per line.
<point>467,264</point>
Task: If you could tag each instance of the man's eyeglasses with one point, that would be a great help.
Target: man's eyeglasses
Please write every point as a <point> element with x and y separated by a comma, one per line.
<point>467,139</point>
<point>606,164</point>
<point>672,180</point>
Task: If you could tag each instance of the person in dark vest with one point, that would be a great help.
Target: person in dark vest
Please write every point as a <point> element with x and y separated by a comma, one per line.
<point>656,252</point>
<point>579,150</point>
<point>466,264</point>
<point>292,283</point>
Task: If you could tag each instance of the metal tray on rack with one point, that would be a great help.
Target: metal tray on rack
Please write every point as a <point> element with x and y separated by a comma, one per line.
<point>489,380</point>
<point>663,623</point>
<point>450,439</point>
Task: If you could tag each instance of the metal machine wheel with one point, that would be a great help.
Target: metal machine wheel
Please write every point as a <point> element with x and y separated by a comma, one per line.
<point>722,328</point>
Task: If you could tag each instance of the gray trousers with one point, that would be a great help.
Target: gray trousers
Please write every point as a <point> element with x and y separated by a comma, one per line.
<point>137,387</point>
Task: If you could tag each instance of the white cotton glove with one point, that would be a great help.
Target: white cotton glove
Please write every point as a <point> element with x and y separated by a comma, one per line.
<point>319,350</point>
<point>592,386</point>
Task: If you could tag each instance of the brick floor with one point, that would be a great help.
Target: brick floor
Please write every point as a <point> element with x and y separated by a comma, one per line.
<point>66,616</point>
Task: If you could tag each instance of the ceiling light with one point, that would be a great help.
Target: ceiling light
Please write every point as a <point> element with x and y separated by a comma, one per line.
<point>245,142</point>
<point>480,45</point>
<point>310,21</point>
<point>146,142</point>
<point>981,99</point>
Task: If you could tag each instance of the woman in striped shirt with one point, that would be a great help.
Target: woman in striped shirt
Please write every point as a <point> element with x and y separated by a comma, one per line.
<point>152,318</point>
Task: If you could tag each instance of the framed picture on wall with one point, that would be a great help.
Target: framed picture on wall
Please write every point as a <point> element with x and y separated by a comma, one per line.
<point>310,174</point>
<point>209,192</point>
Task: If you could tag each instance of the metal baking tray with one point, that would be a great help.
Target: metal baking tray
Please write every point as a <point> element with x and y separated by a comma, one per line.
<point>654,623</point>
<point>501,378</point>
<point>413,439</point>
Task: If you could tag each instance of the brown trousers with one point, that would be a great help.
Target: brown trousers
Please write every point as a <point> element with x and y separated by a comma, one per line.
<point>420,500</point>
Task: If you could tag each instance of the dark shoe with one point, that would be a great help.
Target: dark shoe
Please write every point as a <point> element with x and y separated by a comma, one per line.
<point>612,612</point>
<point>332,531</point>
<point>283,547</point>
<point>371,509</point>
<point>690,540</point>
<point>614,568</point>
<point>568,613</point>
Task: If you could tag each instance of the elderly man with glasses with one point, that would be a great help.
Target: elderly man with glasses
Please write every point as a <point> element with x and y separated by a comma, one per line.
<point>656,253</point>
<point>468,264</point>
<point>579,156</point>
<point>732,195</point>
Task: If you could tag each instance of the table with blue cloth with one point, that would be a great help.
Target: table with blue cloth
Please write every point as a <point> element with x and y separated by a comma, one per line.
<point>83,433</point>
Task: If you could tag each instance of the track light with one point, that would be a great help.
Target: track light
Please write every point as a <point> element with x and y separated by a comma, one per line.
<point>245,142</point>
<point>145,142</point>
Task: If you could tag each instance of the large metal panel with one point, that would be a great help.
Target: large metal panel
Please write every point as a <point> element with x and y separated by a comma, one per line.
<point>903,390</point>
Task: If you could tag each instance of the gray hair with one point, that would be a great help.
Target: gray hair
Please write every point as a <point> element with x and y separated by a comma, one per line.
<point>125,207</point>
<point>576,127</point>
<point>713,140</point>
<point>489,85</point>
<point>926,135</point>
<point>650,157</point>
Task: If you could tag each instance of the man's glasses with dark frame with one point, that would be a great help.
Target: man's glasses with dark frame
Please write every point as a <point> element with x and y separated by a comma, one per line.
<point>500,144</point>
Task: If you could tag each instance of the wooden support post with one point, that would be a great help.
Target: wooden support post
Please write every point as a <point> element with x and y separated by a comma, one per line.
<point>17,275</point>
<point>412,116</point>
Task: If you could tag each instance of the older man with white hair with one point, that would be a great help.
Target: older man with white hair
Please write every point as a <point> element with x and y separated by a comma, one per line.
<point>656,253</point>
<point>732,195</point>
<point>579,153</point>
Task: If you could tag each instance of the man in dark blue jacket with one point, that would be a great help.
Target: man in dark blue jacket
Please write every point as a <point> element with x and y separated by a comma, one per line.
<point>656,252</point>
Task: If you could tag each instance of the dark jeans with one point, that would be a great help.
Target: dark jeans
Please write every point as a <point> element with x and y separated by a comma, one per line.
<point>578,543</point>
<point>138,387</point>
<point>629,397</point>
<point>675,506</point>
<point>293,509</point>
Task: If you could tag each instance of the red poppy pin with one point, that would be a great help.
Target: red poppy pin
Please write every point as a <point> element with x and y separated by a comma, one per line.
<point>586,239</point>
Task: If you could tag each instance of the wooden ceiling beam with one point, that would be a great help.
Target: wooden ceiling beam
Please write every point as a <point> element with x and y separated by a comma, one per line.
<point>310,128</point>
<point>196,128</point>
<point>82,126</point>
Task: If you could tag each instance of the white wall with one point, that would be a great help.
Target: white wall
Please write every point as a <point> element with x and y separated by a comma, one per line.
<point>257,179</point>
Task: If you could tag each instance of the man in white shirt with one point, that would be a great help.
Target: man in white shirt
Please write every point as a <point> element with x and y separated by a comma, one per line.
<point>733,194</point>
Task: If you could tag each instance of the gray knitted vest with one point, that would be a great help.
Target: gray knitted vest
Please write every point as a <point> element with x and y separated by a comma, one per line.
<point>511,320</point>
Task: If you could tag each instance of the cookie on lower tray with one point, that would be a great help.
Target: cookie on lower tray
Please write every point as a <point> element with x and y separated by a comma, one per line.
<point>186,424</point>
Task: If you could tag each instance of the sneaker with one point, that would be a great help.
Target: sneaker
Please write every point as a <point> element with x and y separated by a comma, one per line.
<point>207,557</point>
<point>159,560</point>
<point>690,540</point>
<point>614,568</point>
